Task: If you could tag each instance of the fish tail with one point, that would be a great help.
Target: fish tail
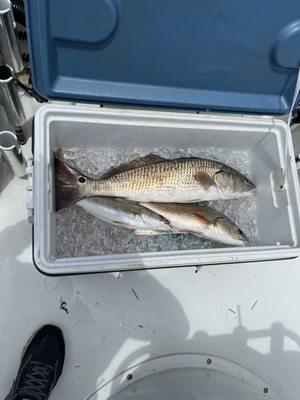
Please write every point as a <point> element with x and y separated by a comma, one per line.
<point>67,189</point>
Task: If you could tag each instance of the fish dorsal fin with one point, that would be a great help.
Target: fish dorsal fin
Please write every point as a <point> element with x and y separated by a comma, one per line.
<point>139,162</point>
<point>148,159</point>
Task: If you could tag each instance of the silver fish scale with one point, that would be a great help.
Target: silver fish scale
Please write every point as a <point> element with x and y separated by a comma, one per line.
<point>179,173</point>
<point>187,211</point>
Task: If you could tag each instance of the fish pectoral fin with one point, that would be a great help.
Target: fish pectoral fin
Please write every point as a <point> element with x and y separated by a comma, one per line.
<point>205,180</point>
<point>146,160</point>
<point>203,220</point>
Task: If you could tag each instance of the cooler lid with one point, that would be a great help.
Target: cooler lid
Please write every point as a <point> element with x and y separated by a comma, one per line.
<point>204,54</point>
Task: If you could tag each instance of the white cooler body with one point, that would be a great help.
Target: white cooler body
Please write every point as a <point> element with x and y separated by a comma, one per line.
<point>266,142</point>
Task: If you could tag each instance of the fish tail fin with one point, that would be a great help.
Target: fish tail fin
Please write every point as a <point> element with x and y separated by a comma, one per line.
<point>67,188</point>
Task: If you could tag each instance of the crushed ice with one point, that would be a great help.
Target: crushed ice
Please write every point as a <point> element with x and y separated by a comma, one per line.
<point>79,234</point>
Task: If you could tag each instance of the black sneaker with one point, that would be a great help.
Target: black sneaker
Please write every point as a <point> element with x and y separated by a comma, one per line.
<point>41,366</point>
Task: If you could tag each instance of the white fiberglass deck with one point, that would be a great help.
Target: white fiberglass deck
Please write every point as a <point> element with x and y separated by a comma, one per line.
<point>247,313</point>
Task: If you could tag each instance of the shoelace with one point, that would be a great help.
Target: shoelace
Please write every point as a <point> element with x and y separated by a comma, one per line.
<point>36,381</point>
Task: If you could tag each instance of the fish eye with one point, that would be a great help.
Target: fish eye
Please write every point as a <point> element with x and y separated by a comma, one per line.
<point>246,180</point>
<point>81,179</point>
<point>240,231</point>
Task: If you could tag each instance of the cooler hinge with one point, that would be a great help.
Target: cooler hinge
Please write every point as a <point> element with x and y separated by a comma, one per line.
<point>30,200</point>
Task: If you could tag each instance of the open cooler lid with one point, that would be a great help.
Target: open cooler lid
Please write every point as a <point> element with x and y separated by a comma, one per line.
<point>203,54</point>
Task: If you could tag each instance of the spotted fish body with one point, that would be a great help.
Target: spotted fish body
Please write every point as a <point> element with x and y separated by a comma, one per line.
<point>154,179</point>
<point>181,180</point>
